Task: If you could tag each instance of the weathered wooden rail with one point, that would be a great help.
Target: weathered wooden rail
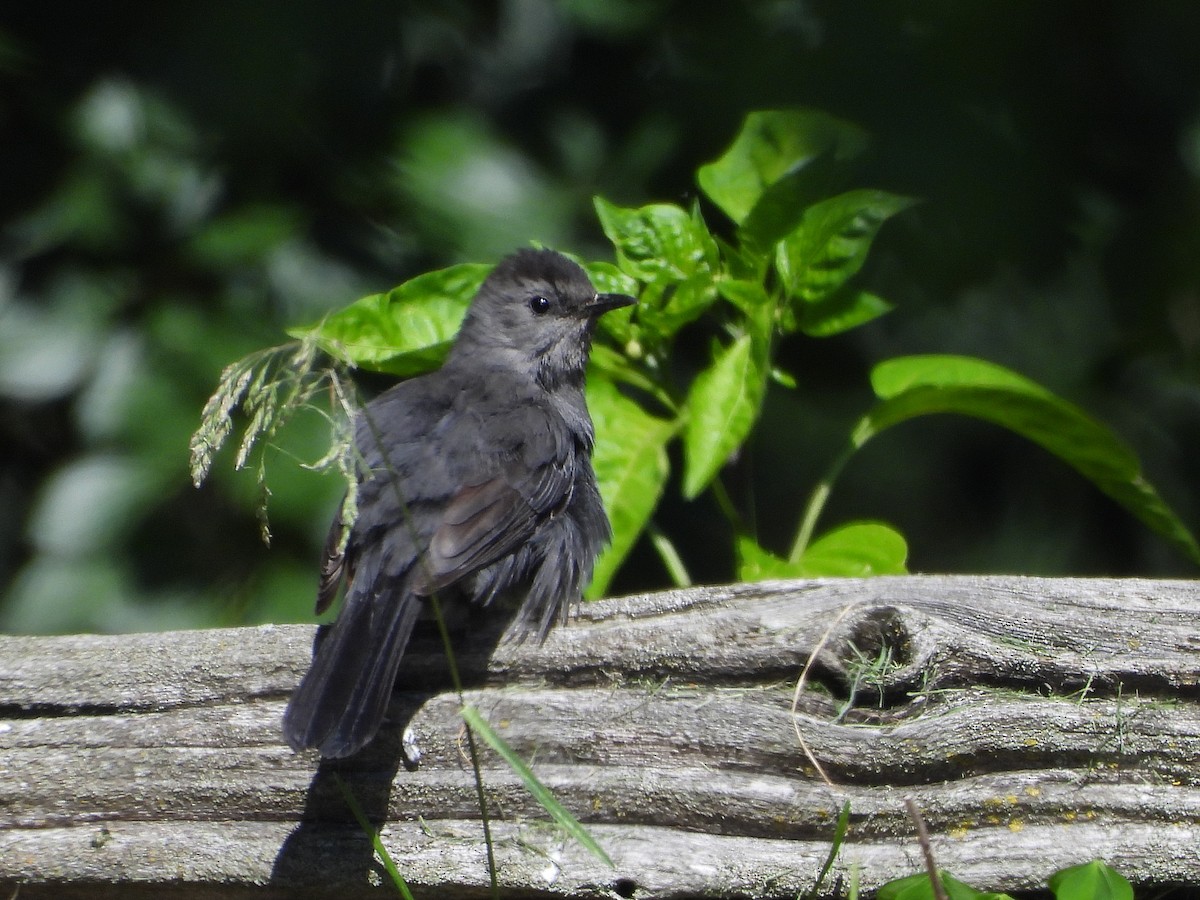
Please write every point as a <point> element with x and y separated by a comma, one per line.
<point>1036,723</point>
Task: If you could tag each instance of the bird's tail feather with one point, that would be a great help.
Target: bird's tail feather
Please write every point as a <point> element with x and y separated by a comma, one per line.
<point>340,703</point>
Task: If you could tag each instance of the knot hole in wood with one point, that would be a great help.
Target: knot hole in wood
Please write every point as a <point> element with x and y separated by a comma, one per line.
<point>875,658</point>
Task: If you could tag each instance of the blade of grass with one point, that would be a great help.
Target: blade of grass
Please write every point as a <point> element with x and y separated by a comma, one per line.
<point>540,792</point>
<point>373,833</point>
<point>839,836</point>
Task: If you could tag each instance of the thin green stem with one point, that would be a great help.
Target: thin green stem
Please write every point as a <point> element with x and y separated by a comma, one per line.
<point>456,680</point>
<point>816,505</point>
<point>725,503</point>
<point>371,831</point>
<point>670,556</point>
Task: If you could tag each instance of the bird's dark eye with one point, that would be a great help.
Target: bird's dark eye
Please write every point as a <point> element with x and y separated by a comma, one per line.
<point>539,305</point>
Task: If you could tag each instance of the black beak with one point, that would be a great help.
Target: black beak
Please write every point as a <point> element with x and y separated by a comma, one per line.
<point>603,303</point>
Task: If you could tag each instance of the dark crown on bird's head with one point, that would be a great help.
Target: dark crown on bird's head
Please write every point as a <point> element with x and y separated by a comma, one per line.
<point>535,313</point>
<point>544,269</point>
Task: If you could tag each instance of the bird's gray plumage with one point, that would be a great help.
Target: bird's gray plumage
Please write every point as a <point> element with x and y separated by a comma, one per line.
<point>477,482</point>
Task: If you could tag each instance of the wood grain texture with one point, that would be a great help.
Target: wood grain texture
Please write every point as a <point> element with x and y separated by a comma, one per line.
<point>1037,723</point>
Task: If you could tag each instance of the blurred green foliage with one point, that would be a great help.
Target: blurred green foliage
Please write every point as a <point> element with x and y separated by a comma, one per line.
<point>185,183</point>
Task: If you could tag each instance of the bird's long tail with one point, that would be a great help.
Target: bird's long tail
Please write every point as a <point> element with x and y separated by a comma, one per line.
<point>340,703</point>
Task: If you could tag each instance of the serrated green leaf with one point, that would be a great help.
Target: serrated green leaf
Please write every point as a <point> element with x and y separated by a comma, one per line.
<point>913,386</point>
<point>856,550</point>
<point>723,404</point>
<point>631,467</point>
<point>830,244</point>
<point>771,145</point>
<point>840,312</point>
<point>539,791</point>
<point>1091,881</point>
<point>407,330</point>
<point>659,243</point>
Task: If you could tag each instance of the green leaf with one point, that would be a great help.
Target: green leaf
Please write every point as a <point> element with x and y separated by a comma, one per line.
<point>723,404</point>
<point>1090,881</point>
<point>758,564</point>
<point>679,305</point>
<point>540,792</point>
<point>840,312</point>
<point>920,385</point>
<point>829,245</point>
<point>781,206</point>
<point>406,331</point>
<point>659,243</point>
<point>609,279</point>
<point>753,300</point>
<point>917,887</point>
<point>856,550</point>
<point>772,145</point>
<point>631,466</point>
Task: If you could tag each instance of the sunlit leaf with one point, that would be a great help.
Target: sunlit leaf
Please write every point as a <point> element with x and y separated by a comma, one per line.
<point>1091,881</point>
<point>407,330</point>
<point>920,385</point>
<point>830,244</point>
<point>664,312</point>
<point>753,300</point>
<point>656,243</point>
<point>755,563</point>
<point>917,887</point>
<point>782,205</point>
<point>772,145</point>
<point>608,278</point>
<point>840,312</point>
<point>856,550</point>
<point>723,405</point>
<point>859,549</point>
<point>631,466</point>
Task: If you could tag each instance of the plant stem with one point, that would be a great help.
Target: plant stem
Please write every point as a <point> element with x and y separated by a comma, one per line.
<point>816,505</point>
<point>670,556</point>
<point>456,680</point>
<point>725,503</point>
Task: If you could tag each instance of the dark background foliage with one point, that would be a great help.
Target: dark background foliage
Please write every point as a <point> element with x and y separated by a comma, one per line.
<point>184,181</point>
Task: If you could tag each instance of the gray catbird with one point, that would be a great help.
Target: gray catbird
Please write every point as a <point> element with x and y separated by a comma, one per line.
<point>478,483</point>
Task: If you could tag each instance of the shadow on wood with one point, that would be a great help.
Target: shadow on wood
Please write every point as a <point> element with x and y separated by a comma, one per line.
<point>1037,724</point>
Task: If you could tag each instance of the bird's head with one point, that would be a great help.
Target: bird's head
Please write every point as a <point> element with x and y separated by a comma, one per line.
<point>535,312</point>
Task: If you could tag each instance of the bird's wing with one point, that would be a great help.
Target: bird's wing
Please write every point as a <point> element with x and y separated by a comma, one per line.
<point>486,519</point>
<point>332,565</point>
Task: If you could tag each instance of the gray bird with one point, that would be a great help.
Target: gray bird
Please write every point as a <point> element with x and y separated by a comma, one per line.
<point>477,483</point>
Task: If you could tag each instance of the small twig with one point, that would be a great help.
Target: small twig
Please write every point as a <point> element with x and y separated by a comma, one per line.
<point>935,879</point>
<point>812,657</point>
